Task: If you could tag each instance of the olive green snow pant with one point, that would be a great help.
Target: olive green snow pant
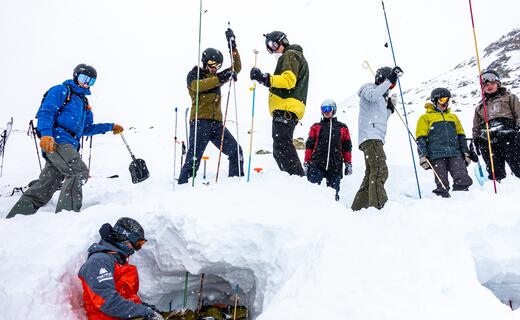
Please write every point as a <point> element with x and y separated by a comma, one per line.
<point>64,165</point>
<point>372,190</point>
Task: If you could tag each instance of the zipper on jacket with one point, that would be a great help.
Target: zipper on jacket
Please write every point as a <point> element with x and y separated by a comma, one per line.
<point>328,149</point>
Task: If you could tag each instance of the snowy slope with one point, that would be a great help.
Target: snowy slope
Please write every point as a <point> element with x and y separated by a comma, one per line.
<point>293,251</point>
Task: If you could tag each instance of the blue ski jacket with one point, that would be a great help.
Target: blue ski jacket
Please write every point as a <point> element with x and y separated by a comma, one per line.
<point>68,121</point>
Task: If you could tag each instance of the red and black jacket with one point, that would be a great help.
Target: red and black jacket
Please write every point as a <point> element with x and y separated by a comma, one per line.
<point>317,145</point>
<point>110,285</point>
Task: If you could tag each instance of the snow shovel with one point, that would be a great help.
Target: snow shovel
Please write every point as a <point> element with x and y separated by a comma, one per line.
<point>138,169</point>
<point>479,173</point>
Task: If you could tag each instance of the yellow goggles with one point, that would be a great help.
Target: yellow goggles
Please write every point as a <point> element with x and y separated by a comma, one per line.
<point>443,100</point>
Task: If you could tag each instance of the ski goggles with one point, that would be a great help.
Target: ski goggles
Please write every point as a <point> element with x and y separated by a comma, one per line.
<point>83,78</point>
<point>443,100</point>
<point>272,46</point>
<point>489,77</point>
<point>326,108</point>
<point>136,241</point>
<point>214,64</point>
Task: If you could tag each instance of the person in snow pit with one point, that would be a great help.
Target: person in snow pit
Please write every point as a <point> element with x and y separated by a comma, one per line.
<point>110,283</point>
<point>209,120</point>
<point>64,117</point>
<point>441,143</point>
<point>327,148</point>
<point>503,116</point>
<point>375,108</point>
<point>288,87</point>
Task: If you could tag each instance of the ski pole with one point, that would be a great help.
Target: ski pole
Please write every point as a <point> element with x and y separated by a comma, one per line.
<point>366,65</point>
<point>483,100</point>
<point>4,140</point>
<point>185,290</point>
<point>402,100</point>
<point>175,149</point>
<point>236,302</point>
<point>186,123</point>
<point>252,124</point>
<point>32,132</point>
<point>240,169</point>
<point>197,101</point>
<point>89,153</point>
<point>199,304</point>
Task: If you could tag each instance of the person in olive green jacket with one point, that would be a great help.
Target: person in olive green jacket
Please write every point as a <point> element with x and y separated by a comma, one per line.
<point>209,113</point>
<point>441,143</point>
<point>287,97</point>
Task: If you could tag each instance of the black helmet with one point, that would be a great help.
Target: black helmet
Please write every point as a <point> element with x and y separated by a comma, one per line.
<point>382,74</point>
<point>127,229</point>
<point>490,75</point>
<point>84,69</point>
<point>438,93</point>
<point>213,57</point>
<point>274,39</point>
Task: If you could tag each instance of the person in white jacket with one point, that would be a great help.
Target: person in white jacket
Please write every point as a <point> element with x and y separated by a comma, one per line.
<point>375,107</point>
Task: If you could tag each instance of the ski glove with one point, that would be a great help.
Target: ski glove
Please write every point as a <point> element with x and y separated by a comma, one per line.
<point>390,105</point>
<point>117,129</point>
<point>230,36</point>
<point>424,163</point>
<point>226,75</point>
<point>263,78</point>
<point>155,316</point>
<point>396,73</point>
<point>48,144</point>
<point>348,169</point>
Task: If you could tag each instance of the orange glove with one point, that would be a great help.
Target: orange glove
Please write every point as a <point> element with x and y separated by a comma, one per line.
<point>117,129</point>
<point>48,144</point>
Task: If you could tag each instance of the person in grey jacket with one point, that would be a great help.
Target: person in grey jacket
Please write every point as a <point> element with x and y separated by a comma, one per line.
<point>110,283</point>
<point>375,107</point>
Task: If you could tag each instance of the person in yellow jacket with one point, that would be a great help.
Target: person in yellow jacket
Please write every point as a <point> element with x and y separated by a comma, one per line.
<point>441,142</point>
<point>287,97</point>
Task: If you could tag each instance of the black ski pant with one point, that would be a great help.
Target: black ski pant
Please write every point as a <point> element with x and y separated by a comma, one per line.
<point>505,150</point>
<point>284,152</point>
<point>316,175</point>
<point>211,130</point>
<point>456,166</point>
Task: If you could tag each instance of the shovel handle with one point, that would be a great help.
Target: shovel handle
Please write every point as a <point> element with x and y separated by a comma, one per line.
<point>127,146</point>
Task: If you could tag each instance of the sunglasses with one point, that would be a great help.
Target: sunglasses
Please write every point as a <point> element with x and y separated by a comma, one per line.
<point>326,109</point>
<point>214,64</point>
<point>83,78</point>
<point>489,77</point>
<point>443,100</point>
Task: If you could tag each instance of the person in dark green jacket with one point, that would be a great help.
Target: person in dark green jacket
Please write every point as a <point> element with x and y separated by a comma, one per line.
<point>287,97</point>
<point>207,111</point>
<point>441,143</point>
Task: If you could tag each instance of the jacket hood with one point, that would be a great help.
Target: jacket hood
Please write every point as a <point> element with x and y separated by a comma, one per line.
<point>295,47</point>
<point>77,89</point>
<point>104,246</point>
<point>500,92</point>
<point>431,108</point>
<point>365,86</point>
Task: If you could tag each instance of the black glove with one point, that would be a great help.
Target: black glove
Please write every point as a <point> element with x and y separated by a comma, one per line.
<point>230,36</point>
<point>477,146</point>
<point>226,75</point>
<point>396,73</point>
<point>151,306</point>
<point>390,105</point>
<point>348,169</point>
<point>263,78</point>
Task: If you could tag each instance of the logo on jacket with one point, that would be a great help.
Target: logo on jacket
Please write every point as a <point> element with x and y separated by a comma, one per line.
<point>104,275</point>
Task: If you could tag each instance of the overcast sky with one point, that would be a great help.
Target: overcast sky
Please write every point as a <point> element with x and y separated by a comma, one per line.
<point>140,47</point>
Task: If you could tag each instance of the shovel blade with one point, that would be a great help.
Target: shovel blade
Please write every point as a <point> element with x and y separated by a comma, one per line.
<point>138,171</point>
<point>479,174</point>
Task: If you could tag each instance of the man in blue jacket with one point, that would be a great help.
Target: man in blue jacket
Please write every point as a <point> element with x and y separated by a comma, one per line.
<point>63,118</point>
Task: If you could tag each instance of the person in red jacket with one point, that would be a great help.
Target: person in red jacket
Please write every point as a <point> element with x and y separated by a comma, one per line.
<point>328,148</point>
<point>110,283</point>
